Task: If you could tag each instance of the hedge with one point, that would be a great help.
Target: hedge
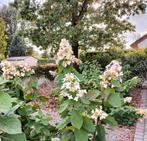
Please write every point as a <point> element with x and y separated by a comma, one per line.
<point>136,59</point>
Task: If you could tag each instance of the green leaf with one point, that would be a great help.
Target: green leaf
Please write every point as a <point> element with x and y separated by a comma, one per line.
<point>33,83</point>
<point>59,79</point>
<point>100,133</point>
<point>110,120</point>
<point>79,75</point>
<point>63,123</point>
<point>68,136</point>
<point>14,108</point>
<point>2,81</point>
<point>10,125</point>
<point>76,120</point>
<point>94,93</point>
<point>85,100</point>
<point>43,98</point>
<point>81,135</point>
<point>115,100</point>
<point>88,124</point>
<point>15,137</point>
<point>116,83</point>
<point>63,106</point>
<point>97,92</point>
<point>5,102</point>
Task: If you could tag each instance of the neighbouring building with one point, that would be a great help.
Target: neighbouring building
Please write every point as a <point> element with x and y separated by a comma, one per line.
<point>140,43</point>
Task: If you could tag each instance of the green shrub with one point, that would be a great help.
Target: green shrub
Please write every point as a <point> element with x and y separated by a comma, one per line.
<point>42,61</point>
<point>130,84</point>
<point>134,61</point>
<point>126,115</point>
<point>90,71</point>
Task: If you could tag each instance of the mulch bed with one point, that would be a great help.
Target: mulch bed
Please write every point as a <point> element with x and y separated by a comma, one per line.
<point>136,97</point>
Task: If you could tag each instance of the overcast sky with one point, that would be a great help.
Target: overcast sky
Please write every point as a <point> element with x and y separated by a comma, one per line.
<point>4,2</point>
<point>140,21</point>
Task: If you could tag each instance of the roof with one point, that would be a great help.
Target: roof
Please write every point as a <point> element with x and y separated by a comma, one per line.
<point>139,40</point>
<point>31,61</point>
<point>20,58</point>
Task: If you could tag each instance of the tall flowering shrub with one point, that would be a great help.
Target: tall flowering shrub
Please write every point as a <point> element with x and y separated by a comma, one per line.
<point>85,112</point>
<point>84,106</point>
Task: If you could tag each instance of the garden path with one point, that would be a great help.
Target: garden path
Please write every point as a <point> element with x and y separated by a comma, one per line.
<point>141,127</point>
<point>138,133</point>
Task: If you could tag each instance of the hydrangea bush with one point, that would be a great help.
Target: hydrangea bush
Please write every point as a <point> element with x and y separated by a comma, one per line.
<point>86,110</point>
<point>85,101</point>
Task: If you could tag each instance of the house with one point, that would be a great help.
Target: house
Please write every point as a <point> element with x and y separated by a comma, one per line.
<point>140,43</point>
<point>31,61</point>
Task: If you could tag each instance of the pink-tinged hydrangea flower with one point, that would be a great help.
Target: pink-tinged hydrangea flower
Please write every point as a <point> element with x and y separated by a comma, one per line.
<point>71,87</point>
<point>113,72</point>
<point>99,113</point>
<point>65,54</point>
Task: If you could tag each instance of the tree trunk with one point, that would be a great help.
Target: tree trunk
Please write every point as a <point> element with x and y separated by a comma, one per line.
<point>77,16</point>
<point>75,47</point>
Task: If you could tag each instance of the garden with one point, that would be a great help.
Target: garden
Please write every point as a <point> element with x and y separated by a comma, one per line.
<point>86,85</point>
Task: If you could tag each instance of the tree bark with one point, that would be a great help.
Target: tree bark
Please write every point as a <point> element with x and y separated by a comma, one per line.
<point>76,18</point>
<point>75,47</point>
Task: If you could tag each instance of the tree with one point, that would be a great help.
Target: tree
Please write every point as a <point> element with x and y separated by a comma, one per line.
<point>16,45</point>
<point>86,23</point>
<point>3,42</point>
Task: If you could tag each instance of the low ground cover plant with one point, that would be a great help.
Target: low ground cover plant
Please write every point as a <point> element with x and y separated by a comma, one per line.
<point>126,115</point>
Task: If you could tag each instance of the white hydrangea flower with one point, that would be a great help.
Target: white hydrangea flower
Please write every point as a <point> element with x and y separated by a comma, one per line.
<point>113,72</point>
<point>71,84</point>
<point>127,99</point>
<point>81,93</point>
<point>53,73</point>
<point>99,113</point>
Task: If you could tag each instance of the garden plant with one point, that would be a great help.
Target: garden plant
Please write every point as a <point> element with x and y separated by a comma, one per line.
<point>87,100</point>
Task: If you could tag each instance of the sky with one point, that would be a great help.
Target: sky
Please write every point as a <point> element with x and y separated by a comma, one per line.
<point>140,22</point>
<point>2,2</point>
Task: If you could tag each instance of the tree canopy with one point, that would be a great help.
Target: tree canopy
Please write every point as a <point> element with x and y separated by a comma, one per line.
<point>16,45</point>
<point>86,23</point>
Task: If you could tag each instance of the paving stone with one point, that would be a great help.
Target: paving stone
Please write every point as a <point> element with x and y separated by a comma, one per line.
<point>141,127</point>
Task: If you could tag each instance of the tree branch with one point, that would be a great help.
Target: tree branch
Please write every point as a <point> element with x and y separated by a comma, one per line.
<point>77,18</point>
<point>83,9</point>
